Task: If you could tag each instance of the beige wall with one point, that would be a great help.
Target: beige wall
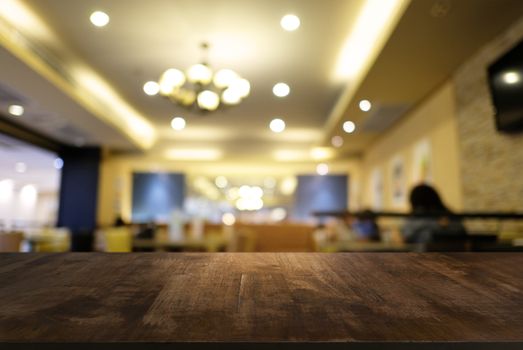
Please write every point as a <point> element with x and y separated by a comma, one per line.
<point>434,121</point>
<point>115,190</point>
<point>475,167</point>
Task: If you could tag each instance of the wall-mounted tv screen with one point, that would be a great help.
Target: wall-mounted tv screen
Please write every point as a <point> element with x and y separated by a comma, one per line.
<point>506,86</point>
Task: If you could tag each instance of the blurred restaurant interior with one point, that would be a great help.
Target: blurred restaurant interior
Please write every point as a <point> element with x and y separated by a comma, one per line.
<point>261,126</point>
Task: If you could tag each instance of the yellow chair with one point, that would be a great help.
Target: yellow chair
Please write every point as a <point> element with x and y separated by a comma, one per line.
<point>54,240</point>
<point>118,240</point>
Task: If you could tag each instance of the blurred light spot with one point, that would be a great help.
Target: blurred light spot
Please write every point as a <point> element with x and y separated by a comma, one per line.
<point>337,141</point>
<point>151,88</point>
<point>99,18</point>
<point>278,214</point>
<point>58,163</point>
<point>20,167</point>
<point>288,185</point>
<point>322,169</point>
<point>269,182</point>
<point>349,127</point>
<point>290,22</point>
<point>6,190</point>
<point>178,123</point>
<point>365,105</point>
<point>228,219</point>
<point>281,89</point>
<point>277,125</point>
<point>193,154</point>
<point>28,194</point>
<point>511,78</point>
<point>320,153</point>
<point>16,110</point>
<point>221,182</point>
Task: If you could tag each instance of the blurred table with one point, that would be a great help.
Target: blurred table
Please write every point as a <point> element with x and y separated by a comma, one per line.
<point>364,246</point>
<point>208,243</point>
<point>458,301</point>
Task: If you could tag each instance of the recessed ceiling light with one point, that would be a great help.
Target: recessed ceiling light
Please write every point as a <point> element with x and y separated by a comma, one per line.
<point>365,105</point>
<point>151,88</point>
<point>337,141</point>
<point>20,167</point>
<point>281,89</point>
<point>178,123</point>
<point>277,125</point>
<point>322,169</point>
<point>99,18</point>
<point>16,110</point>
<point>349,127</point>
<point>290,22</point>
<point>511,78</point>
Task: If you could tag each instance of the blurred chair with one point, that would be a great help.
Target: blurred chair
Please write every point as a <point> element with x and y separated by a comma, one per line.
<point>82,240</point>
<point>10,242</point>
<point>483,242</point>
<point>214,241</point>
<point>118,240</point>
<point>444,242</point>
<point>54,240</point>
<point>245,240</point>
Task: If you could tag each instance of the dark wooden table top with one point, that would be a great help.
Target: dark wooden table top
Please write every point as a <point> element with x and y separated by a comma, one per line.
<point>346,300</point>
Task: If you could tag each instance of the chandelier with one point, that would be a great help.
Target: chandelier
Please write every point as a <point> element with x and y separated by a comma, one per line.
<point>202,89</point>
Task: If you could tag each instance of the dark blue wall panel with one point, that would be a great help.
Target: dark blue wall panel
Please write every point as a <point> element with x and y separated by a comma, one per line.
<point>79,189</point>
<point>156,195</point>
<point>320,193</point>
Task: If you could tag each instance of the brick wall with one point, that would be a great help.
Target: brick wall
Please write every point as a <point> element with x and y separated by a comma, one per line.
<point>491,162</point>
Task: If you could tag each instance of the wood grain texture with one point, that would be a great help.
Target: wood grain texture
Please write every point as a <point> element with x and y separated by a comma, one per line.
<point>261,297</point>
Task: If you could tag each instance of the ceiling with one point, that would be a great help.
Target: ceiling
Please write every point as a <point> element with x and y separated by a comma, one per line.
<point>144,38</point>
<point>432,39</point>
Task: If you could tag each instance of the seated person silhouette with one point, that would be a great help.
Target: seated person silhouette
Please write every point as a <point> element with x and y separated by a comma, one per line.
<point>431,220</point>
<point>365,226</point>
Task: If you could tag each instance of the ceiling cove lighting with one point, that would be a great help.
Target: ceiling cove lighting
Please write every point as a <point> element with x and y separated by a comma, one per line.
<point>365,105</point>
<point>193,154</point>
<point>321,153</point>
<point>349,127</point>
<point>99,18</point>
<point>373,25</point>
<point>178,123</point>
<point>201,88</point>
<point>16,110</point>
<point>290,22</point>
<point>277,125</point>
<point>84,85</point>
<point>281,89</point>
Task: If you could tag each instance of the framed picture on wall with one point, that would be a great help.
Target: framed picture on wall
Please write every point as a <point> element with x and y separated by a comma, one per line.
<point>377,189</point>
<point>422,162</point>
<point>398,181</point>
